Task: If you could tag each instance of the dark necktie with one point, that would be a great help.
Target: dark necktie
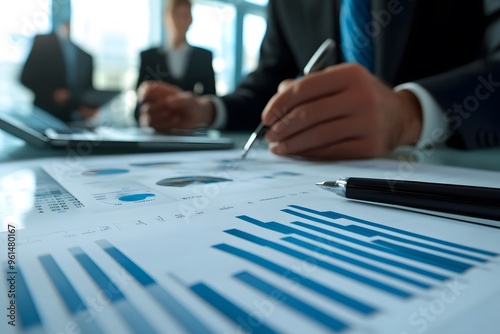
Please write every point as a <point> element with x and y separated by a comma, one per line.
<point>70,60</point>
<point>356,38</point>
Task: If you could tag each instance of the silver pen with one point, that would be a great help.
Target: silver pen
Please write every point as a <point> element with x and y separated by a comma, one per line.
<point>313,65</point>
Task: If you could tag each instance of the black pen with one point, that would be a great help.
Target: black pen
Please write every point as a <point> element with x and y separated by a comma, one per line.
<point>473,204</point>
<point>313,65</point>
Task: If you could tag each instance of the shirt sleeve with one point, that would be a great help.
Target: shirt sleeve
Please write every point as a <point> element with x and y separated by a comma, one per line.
<point>220,120</point>
<point>435,129</point>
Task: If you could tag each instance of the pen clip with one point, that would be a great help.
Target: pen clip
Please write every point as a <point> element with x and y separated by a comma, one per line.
<point>320,56</point>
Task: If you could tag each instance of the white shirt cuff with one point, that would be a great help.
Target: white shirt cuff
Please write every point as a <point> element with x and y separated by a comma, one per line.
<point>435,128</point>
<point>220,120</point>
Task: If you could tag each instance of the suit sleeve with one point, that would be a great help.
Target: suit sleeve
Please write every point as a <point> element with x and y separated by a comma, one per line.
<point>142,69</point>
<point>470,95</point>
<point>210,76</point>
<point>276,63</point>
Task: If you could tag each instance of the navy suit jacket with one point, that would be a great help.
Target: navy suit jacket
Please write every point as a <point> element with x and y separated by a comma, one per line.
<point>199,70</point>
<point>45,71</point>
<point>450,47</point>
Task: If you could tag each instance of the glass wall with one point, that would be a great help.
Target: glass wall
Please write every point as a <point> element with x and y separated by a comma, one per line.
<point>114,32</point>
<point>19,22</point>
<point>213,29</point>
<point>254,27</point>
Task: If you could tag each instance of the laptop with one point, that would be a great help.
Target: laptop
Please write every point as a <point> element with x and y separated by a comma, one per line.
<point>38,127</point>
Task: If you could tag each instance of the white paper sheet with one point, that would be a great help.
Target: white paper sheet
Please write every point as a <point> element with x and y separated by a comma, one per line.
<point>223,246</point>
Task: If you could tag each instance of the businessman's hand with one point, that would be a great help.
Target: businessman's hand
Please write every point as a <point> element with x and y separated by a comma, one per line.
<point>166,107</point>
<point>61,96</point>
<point>88,112</point>
<point>343,112</point>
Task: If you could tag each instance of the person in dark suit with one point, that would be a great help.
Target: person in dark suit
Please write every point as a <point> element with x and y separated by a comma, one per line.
<point>429,72</point>
<point>59,73</point>
<point>178,63</point>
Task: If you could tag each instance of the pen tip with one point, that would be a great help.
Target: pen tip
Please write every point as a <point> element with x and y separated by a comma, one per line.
<point>320,184</point>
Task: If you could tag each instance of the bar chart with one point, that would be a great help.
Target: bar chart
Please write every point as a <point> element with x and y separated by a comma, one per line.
<point>361,271</point>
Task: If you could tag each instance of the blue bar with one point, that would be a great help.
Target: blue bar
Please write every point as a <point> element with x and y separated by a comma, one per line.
<point>334,215</point>
<point>99,277</point>
<point>321,289</point>
<point>230,310</point>
<point>373,233</point>
<point>273,226</point>
<point>292,302</point>
<point>444,263</point>
<point>328,266</point>
<point>169,303</point>
<point>355,262</point>
<point>140,275</point>
<point>408,250</point>
<point>25,306</point>
<point>73,302</point>
<point>71,298</point>
<point>134,319</point>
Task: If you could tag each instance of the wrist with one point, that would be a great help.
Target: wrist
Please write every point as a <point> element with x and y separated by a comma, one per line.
<point>412,118</point>
<point>207,110</point>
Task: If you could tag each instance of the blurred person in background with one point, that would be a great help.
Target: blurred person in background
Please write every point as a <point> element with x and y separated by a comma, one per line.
<point>176,62</point>
<point>60,74</point>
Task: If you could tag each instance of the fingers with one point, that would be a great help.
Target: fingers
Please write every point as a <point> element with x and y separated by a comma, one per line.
<point>309,114</point>
<point>326,134</point>
<point>158,118</point>
<point>331,81</point>
<point>354,148</point>
<point>154,90</point>
<point>284,85</point>
<point>173,111</point>
<point>88,112</point>
<point>159,115</point>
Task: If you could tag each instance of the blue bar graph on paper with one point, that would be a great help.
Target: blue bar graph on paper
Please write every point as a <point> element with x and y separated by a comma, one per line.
<point>323,264</point>
<point>433,260</point>
<point>128,312</point>
<point>447,264</point>
<point>25,306</point>
<point>335,215</point>
<point>75,305</point>
<point>100,278</point>
<point>404,249</point>
<point>374,233</point>
<point>170,304</point>
<point>291,301</point>
<point>359,263</point>
<point>339,297</point>
<point>236,314</point>
<point>287,230</point>
<point>61,283</point>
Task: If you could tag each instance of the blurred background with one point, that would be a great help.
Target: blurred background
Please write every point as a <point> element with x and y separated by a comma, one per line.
<point>114,32</point>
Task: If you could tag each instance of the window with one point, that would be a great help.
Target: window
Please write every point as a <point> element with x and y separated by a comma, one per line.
<point>233,31</point>
<point>104,29</point>
<point>213,29</point>
<point>254,27</point>
<point>19,22</point>
<point>114,32</point>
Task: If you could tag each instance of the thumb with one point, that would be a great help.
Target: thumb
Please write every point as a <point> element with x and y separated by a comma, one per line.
<point>284,85</point>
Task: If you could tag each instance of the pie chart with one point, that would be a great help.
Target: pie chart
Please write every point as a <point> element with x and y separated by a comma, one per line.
<point>106,171</point>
